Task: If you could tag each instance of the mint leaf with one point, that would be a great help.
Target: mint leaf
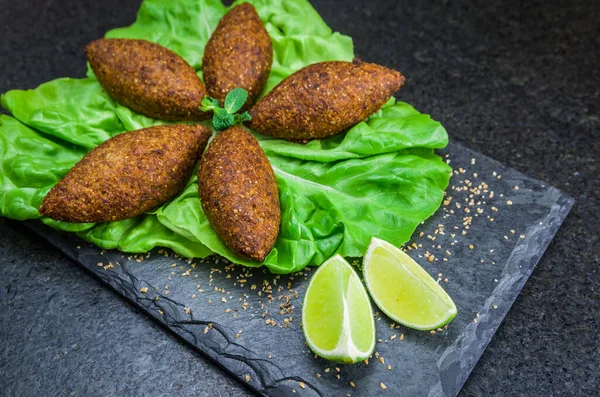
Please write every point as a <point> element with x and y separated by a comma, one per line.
<point>209,104</point>
<point>222,120</point>
<point>240,118</point>
<point>225,117</point>
<point>235,99</point>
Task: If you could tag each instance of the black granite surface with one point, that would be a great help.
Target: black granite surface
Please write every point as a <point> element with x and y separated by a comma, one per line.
<point>516,81</point>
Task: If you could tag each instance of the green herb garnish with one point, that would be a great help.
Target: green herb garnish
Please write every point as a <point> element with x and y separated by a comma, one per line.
<point>226,116</point>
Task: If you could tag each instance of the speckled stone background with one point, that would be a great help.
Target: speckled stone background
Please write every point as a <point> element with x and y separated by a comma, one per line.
<point>518,82</point>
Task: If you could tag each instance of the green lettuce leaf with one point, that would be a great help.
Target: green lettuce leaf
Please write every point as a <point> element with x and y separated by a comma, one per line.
<point>396,126</point>
<point>77,111</point>
<point>30,165</point>
<point>381,178</point>
<point>331,208</point>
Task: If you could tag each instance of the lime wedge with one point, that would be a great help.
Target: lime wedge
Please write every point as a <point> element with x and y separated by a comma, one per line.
<point>337,318</point>
<point>404,290</point>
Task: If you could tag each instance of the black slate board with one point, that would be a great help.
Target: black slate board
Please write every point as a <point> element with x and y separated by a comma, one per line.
<point>486,249</point>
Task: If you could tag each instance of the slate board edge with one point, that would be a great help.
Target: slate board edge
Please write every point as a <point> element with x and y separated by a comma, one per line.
<point>451,381</point>
<point>463,351</point>
<point>504,295</point>
<point>170,320</point>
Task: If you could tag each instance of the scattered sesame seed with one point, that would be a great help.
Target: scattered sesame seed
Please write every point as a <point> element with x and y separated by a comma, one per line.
<point>383,386</point>
<point>144,290</point>
<point>302,385</point>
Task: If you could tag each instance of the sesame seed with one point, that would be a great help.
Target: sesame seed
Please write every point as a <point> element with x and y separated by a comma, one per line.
<point>382,386</point>
<point>144,290</point>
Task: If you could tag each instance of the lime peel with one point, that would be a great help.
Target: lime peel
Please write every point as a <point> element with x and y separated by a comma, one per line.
<point>355,302</point>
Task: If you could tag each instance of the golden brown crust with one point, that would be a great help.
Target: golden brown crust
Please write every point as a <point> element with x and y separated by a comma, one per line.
<point>324,99</point>
<point>239,193</point>
<point>147,78</point>
<point>239,53</point>
<point>127,175</point>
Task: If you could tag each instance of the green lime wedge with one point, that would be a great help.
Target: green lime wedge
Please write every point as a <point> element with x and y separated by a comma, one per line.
<point>337,318</point>
<point>403,290</point>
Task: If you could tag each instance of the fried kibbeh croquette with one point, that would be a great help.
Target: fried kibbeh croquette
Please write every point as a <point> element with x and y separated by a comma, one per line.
<point>239,193</point>
<point>148,78</point>
<point>324,99</point>
<point>239,53</point>
<point>127,175</point>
